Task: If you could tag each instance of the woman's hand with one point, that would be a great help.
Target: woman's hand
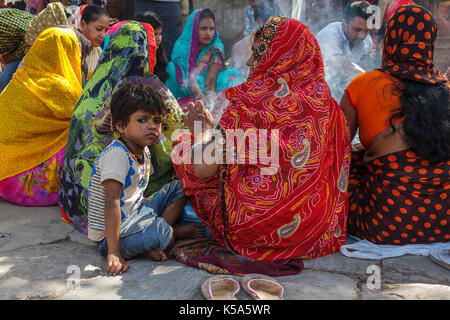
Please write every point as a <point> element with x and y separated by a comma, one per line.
<point>200,122</point>
<point>198,119</point>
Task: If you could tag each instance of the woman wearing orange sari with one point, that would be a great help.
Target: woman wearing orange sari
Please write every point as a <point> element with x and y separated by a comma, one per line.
<point>293,206</point>
<point>399,186</point>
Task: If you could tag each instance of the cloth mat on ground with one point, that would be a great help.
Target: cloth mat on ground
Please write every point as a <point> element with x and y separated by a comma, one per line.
<point>363,249</point>
<point>208,255</point>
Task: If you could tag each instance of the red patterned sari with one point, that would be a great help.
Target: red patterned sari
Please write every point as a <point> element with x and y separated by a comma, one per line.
<point>300,209</point>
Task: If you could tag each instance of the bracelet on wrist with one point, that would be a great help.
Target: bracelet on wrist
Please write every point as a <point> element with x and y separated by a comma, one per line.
<point>202,143</point>
<point>199,143</point>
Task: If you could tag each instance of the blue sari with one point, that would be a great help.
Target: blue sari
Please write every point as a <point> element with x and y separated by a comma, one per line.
<point>186,61</point>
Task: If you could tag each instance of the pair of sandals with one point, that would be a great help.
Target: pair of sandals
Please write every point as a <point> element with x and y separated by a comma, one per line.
<point>258,286</point>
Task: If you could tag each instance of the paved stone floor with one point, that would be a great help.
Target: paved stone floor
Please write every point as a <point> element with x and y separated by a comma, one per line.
<point>41,257</point>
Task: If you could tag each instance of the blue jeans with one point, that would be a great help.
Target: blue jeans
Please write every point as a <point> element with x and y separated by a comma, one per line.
<point>188,215</point>
<point>144,230</point>
<point>7,74</point>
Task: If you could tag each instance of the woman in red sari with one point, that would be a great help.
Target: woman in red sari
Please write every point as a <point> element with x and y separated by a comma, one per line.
<point>296,205</point>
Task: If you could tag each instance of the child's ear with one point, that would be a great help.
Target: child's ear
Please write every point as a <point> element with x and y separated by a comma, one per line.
<point>119,127</point>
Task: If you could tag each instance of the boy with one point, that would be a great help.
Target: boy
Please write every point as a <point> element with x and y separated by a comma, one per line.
<point>124,223</point>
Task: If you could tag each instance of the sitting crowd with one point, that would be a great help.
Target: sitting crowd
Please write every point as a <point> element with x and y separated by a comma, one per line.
<point>99,119</point>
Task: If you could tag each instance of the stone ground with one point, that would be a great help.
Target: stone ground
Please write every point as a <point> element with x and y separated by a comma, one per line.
<point>41,257</point>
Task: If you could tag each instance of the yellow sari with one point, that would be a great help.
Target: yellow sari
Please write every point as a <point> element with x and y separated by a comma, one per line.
<point>36,107</point>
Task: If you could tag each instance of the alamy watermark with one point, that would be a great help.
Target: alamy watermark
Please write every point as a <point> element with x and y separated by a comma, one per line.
<point>374,280</point>
<point>73,282</point>
<point>374,21</point>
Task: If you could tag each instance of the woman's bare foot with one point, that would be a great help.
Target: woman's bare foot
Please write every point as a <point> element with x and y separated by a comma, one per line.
<point>190,230</point>
<point>155,255</point>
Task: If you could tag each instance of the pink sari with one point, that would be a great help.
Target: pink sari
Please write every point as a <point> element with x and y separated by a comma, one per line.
<point>37,187</point>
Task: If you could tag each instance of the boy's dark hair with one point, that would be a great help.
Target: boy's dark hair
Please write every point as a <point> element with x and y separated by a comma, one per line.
<point>357,9</point>
<point>132,96</point>
<point>93,13</point>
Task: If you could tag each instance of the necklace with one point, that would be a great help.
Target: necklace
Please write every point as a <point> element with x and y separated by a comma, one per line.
<point>139,160</point>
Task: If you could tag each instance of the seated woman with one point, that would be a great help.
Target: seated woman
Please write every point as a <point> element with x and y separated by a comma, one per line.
<point>90,28</point>
<point>130,51</point>
<point>399,190</point>
<point>197,67</point>
<point>14,24</point>
<point>293,203</point>
<point>93,24</point>
<point>161,56</point>
<point>54,15</point>
<point>36,110</point>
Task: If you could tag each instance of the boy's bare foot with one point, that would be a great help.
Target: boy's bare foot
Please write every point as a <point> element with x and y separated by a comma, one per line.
<point>190,230</point>
<point>155,255</point>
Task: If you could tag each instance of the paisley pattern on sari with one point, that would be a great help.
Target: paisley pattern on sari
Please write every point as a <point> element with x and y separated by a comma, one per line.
<point>295,205</point>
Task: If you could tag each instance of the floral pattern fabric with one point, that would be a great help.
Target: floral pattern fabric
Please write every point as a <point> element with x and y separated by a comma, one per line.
<point>35,187</point>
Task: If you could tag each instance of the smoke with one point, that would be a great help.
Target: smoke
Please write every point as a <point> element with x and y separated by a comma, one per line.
<point>315,14</point>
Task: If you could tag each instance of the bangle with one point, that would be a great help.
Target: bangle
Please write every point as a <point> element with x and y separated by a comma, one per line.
<point>199,143</point>
<point>203,142</point>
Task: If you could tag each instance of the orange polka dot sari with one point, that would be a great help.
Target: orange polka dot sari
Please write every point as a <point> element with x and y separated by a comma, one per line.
<point>298,210</point>
<point>409,46</point>
<point>400,198</point>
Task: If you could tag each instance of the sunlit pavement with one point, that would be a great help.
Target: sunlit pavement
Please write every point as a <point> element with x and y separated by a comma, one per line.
<point>42,257</point>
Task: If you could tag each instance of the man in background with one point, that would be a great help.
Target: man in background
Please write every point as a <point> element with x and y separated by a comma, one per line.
<point>343,45</point>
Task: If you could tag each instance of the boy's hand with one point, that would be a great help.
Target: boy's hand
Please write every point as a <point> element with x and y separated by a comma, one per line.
<point>116,264</point>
